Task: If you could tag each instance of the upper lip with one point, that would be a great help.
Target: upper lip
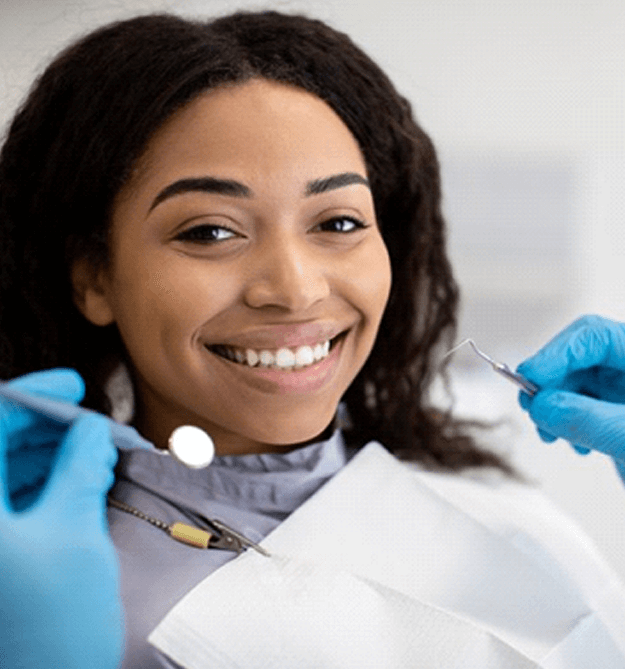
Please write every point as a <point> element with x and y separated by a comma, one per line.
<point>283,335</point>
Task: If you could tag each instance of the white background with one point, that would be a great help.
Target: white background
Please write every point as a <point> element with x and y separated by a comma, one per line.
<point>525,101</point>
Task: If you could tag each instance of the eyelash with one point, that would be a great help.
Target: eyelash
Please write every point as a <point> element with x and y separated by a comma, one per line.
<point>205,234</point>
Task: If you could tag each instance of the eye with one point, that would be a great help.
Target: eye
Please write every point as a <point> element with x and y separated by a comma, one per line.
<point>206,234</point>
<point>342,224</point>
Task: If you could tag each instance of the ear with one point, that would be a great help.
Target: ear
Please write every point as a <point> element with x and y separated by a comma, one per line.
<point>90,294</point>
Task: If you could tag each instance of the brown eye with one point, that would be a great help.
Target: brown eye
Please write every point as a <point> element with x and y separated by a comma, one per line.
<point>206,234</point>
<point>342,224</point>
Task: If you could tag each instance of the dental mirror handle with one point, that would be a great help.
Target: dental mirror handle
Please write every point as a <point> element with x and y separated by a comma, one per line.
<point>189,445</point>
<point>66,413</point>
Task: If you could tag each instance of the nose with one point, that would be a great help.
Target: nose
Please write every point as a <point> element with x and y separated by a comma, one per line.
<point>287,274</point>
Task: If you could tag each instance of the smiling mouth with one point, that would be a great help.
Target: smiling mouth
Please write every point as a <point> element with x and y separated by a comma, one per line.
<point>283,358</point>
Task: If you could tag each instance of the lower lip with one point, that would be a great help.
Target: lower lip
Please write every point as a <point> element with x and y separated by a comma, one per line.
<point>306,380</point>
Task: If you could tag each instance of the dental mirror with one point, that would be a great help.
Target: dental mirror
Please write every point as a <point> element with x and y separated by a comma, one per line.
<point>191,446</point>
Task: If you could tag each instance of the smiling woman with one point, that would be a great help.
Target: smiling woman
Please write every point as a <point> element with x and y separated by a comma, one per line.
<point>248,228</point>
<point>243,217</point>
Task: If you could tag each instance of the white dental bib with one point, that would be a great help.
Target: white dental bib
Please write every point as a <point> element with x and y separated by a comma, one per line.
<point>381,568</point>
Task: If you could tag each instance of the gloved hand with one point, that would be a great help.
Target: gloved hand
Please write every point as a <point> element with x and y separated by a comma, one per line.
<point>59,600</point>
<point>31,452</point>
<point>581,376</point>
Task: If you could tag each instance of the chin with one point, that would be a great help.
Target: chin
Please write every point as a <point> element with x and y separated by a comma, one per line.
<point>292,438</point>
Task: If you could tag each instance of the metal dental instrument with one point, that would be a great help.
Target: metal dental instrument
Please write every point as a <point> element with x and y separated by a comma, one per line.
<point>499,367</point>
<point>195,452</point>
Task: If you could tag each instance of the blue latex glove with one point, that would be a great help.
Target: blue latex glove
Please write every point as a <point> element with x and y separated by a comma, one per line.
<point>581,374</point>
<point>31,452</point>
<point>59,581</point>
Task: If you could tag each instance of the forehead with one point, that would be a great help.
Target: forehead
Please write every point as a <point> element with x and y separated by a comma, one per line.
<point>252,130</point>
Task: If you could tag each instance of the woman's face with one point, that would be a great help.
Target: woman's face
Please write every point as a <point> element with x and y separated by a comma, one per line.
<point>243,247</point>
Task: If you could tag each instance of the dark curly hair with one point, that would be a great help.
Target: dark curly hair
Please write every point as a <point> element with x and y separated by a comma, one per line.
<point>86,122</point>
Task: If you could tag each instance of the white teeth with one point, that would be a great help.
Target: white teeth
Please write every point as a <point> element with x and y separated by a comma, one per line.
<point>266,358</point>
<point>304,356</point>
<point>283,358</point>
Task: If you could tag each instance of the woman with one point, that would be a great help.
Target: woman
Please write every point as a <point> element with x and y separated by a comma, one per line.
<point>216,210</point>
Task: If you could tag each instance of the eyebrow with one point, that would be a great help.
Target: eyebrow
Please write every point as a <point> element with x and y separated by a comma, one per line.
<point>237,189</point>
<point>337,181</point>
<point>202,185</point>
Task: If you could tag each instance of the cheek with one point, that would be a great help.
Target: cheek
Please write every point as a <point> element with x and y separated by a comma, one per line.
<point>165,303</point>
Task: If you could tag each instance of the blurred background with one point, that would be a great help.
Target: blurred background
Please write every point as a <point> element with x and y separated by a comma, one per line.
<point>526,103</point>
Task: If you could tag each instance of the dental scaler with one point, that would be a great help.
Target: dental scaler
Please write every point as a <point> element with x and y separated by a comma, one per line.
<point>499,367</point>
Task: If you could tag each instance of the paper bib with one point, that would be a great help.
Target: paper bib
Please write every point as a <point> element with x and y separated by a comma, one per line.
<point>378,570</point>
